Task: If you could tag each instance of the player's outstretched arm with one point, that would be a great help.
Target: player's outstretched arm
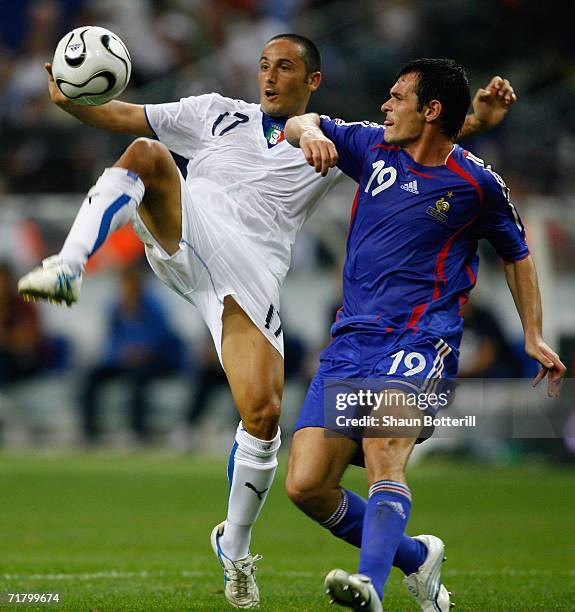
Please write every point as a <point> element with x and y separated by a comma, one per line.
<point>522,280</point>
<point>490,105</point>
<point>114,116</point>
<point>304,132</point>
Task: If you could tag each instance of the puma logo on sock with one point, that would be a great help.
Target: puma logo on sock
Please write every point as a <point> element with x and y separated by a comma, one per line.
<point>249,485</point>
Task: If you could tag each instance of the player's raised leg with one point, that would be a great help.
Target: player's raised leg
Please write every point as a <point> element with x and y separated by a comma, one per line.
<point>145,178</point>
<point>254,369</point>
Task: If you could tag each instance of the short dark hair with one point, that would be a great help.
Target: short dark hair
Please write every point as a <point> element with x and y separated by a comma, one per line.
<point>310,53</point>
<point>444,80</point>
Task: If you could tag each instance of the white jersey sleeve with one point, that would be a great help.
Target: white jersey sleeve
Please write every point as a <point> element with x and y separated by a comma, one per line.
<point>180,125</point>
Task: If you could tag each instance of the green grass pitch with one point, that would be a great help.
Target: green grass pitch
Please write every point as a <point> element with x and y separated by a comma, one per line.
<point>131,532</point>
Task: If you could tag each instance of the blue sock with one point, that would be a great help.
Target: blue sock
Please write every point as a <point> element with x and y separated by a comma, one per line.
<point>386,516</point>
<point>346,523</point>
<point>410,555</point>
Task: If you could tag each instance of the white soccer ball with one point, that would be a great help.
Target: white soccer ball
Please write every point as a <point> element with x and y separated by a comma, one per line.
<point>91,65</point>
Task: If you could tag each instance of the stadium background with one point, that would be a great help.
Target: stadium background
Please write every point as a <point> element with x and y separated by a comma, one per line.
<point>95,500</point>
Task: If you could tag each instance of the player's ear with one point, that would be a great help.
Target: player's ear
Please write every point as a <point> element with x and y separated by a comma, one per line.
<point>432,110</point>
<point>313,80</point>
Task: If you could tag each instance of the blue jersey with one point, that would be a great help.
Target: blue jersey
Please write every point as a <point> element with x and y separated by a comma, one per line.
<point>412,243</point>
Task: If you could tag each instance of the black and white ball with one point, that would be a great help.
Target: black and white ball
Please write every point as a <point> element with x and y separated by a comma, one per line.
<point>91,65</point>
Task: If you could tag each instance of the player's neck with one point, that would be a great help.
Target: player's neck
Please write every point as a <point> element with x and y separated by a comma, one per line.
<point>430,149</point>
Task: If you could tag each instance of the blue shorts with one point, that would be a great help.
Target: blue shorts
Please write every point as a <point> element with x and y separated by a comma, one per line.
<point>417,363</point>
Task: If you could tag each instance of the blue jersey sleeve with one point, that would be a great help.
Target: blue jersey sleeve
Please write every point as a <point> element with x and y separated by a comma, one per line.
<point>499,221</point>
<point>352,141</point>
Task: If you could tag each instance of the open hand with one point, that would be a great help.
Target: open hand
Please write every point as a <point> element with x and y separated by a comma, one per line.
<point>491,103</point>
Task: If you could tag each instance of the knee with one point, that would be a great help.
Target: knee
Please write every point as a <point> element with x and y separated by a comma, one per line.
<point>306,493</point>
<point>261,417</point>
<point>147,158</point>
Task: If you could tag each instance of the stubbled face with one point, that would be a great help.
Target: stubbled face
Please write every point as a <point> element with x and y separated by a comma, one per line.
<point>284,86</point>
<point>404,123</point>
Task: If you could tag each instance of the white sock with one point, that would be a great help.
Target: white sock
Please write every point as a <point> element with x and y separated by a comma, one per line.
<point>108,206</point>
<point>252,466</point>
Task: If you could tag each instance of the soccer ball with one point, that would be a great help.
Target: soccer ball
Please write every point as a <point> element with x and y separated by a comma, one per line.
<point>91,65</point>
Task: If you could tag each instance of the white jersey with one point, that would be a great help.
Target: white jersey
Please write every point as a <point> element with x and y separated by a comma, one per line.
<point>268,193</point>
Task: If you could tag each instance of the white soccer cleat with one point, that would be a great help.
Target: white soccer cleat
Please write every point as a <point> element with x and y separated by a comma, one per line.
<point>354,591</point>
<point>240,587</point>
<point>53,281</point>
<point>425,584</point>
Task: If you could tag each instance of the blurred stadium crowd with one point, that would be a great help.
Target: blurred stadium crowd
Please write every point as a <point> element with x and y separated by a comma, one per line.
<point>187,47</point>
<point>182,47</point>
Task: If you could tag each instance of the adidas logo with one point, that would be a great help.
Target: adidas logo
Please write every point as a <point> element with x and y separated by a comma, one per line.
<point>411,187</point>
<point>395,506</point>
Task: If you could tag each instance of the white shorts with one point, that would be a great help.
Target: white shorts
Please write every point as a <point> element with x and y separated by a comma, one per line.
<point>216,259</point>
